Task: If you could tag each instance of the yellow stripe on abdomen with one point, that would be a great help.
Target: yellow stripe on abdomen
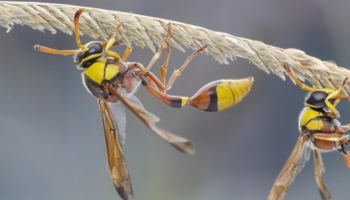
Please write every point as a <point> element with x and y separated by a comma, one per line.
<point>225,96</point>
<point>231,92</point>
<point>221,94</point>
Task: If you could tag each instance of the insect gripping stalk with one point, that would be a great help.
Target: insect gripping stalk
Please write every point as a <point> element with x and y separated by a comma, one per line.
<point>113,80</point>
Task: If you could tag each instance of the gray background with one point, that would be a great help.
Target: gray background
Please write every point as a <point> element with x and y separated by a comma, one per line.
<point>52,145</point>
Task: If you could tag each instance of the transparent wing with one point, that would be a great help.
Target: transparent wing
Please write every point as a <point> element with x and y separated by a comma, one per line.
<point>135,100</point>
<point>150,120</point>
<point>304,158</point>
<point>116,163</point>
<point>118,112</point>
<point>119,116</point>
<point>296,161</point>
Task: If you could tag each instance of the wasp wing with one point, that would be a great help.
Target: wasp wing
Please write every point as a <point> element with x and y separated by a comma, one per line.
<point>116,163</point>
<point>119,116</point>
<point>346,158</point>
<point>296,161</point>
<point>118,112</point>
<point>319,169</point>
<point>150,120</point>
<point>136,101</point>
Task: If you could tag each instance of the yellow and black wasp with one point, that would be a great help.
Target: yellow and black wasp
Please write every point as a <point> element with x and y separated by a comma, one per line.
<point>113,80</point>
<point>320,131</point>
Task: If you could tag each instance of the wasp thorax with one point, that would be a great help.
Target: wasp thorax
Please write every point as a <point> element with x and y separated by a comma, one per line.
<point>83,59</point>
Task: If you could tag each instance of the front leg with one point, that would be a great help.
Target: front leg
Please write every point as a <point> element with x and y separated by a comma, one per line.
<point>319,169</point>
<point>331,137</point>
<point>345,155</point>
<point>333,141</point>
<point>342,129</point>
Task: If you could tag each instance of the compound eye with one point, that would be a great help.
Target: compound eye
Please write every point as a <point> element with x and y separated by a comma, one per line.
<point>86,58</point>
<point>94,49</point>
<point>316,99</point>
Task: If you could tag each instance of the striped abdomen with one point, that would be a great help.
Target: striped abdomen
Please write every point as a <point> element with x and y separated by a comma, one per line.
<point>221,94</point>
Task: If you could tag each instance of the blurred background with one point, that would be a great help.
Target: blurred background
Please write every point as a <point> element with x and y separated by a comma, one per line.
<point>52,145</point>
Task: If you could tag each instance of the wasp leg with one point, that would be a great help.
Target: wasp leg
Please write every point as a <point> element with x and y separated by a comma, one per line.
<point>342,129</point>
<point>156,83</point>
<point>215,96</point>
<point>177,72</point>
<point>127,52</point>
<point>157,55</point>
<point>164,66</point>
<point>111,42</point>
<point>346,158</point>
<point>153,84</point>
<point>161,84</point>
<point>332,137</point>
<point>334,95</point>
<point>150,82</point>
<point>292,76</point>
<point>345,155</point>
<point>110,58</point>
<point>319,169</point>
<point>331,107</point>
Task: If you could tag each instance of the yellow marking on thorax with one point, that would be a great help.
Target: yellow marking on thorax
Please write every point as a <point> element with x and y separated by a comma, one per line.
<point>316,124</point>
<point>98,72</point>
<point>308,114</point>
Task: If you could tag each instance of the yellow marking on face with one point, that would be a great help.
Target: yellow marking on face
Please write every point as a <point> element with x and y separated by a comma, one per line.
<point>91,57</point>
<point>313,106</point>
<point>95,55</point>
<point>98,72</point>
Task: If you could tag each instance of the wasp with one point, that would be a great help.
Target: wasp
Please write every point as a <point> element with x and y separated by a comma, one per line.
<point>320,131</point>
<point>113,81</point>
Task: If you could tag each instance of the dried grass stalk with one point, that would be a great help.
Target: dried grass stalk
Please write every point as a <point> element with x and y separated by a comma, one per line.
<point>144,31</point>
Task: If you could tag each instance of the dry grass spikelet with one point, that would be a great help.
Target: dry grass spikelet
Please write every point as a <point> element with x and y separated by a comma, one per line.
<point>145,31</point>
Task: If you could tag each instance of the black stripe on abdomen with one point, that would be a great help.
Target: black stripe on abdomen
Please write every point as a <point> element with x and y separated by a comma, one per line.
<point>177,103</point>
<point>213,104</point>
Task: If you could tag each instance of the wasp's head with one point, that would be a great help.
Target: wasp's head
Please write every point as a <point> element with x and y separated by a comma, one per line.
<point>91,52</point>
<point>318,99</point>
